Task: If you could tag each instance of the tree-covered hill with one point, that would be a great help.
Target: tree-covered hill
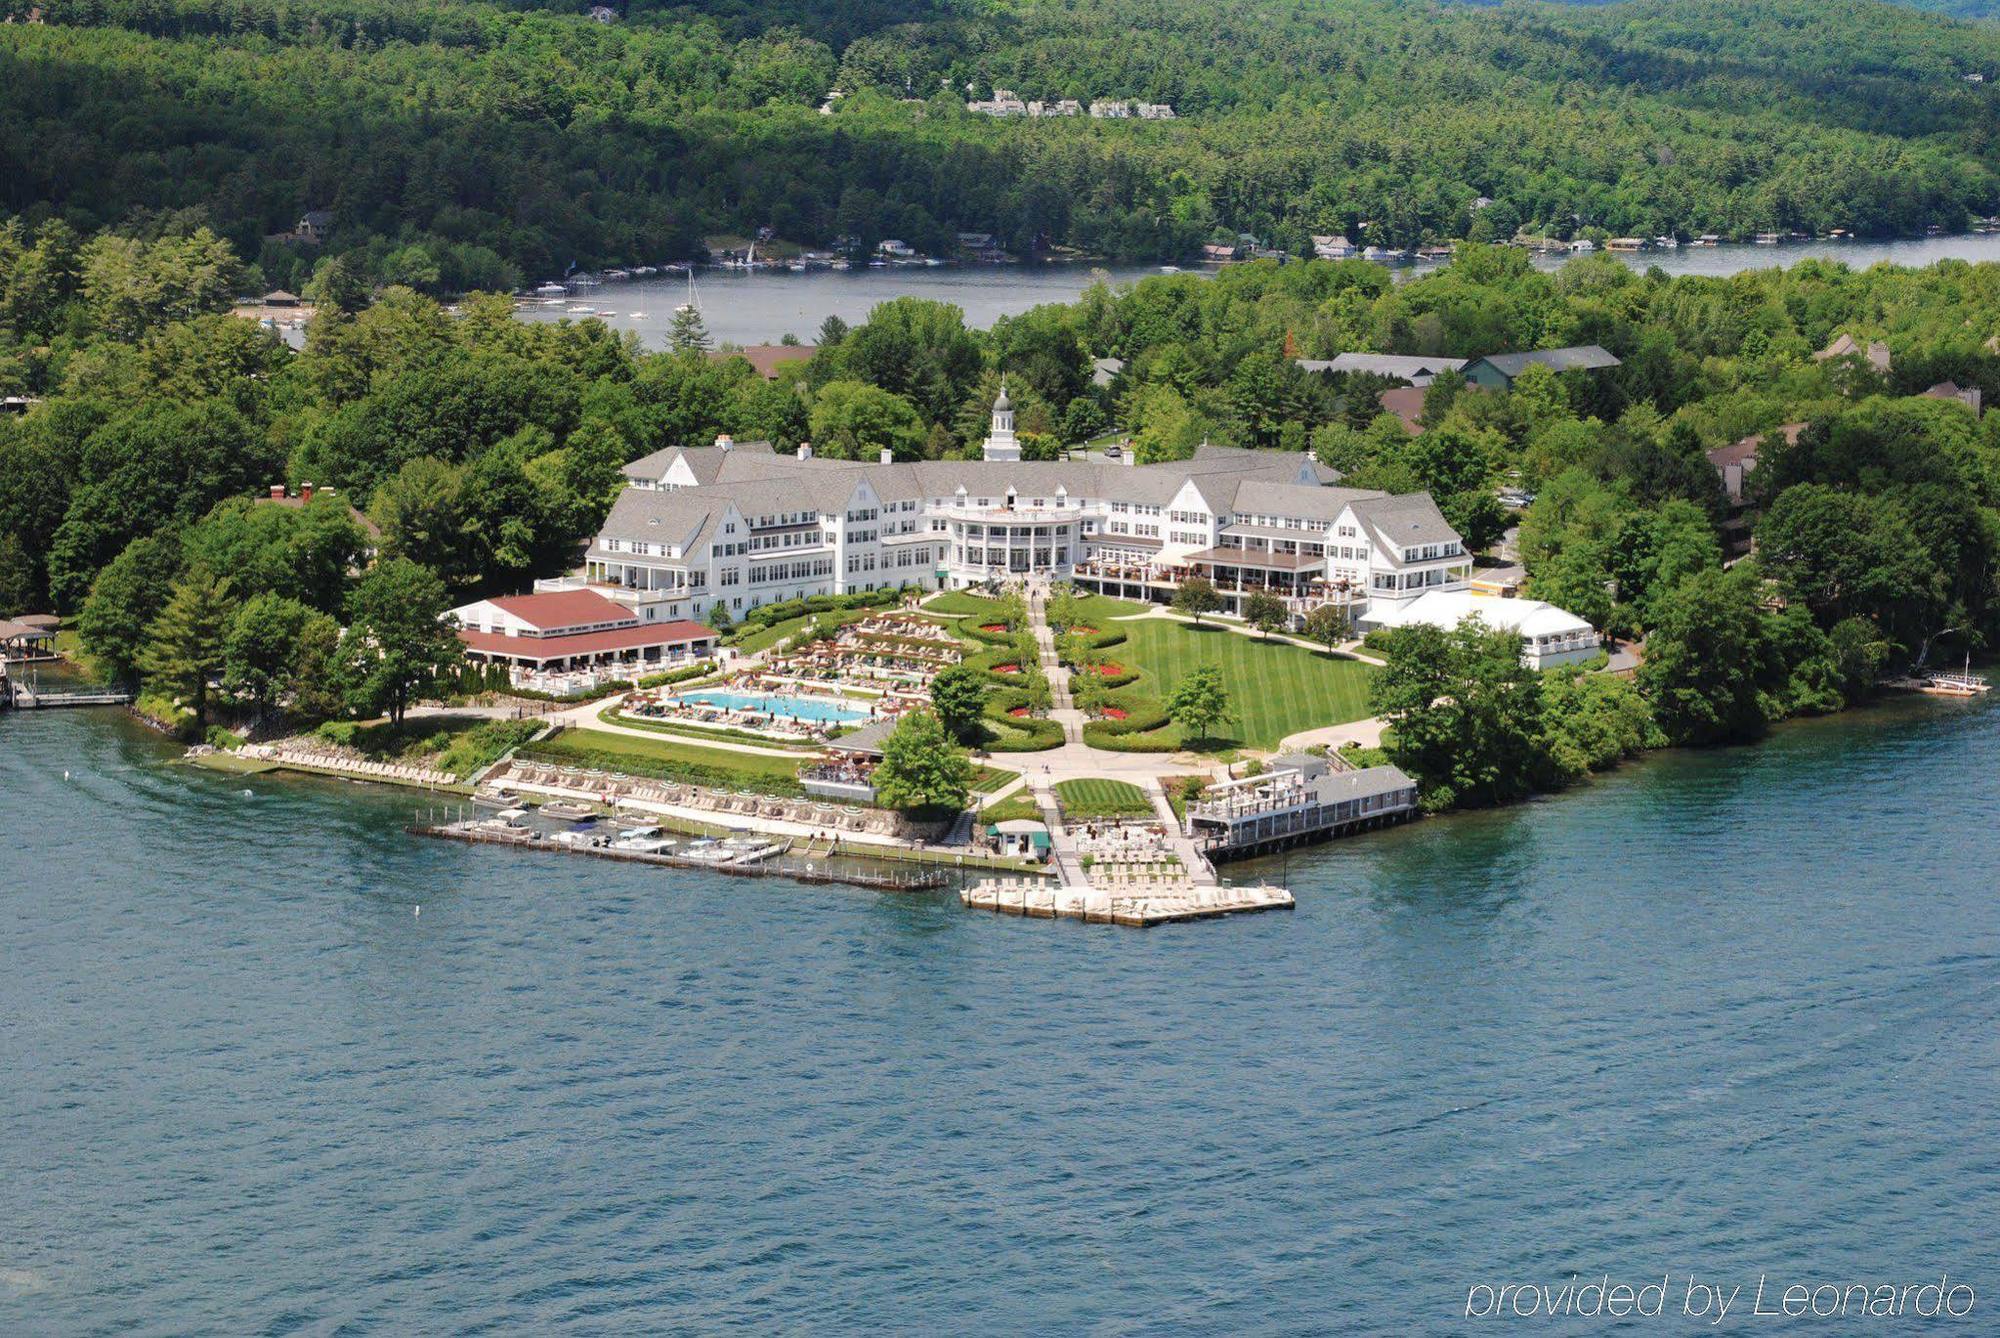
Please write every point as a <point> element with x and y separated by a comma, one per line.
<point>464,143</point>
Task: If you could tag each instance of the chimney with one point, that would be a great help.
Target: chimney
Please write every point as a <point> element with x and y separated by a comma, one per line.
<point>805,450</point>
<point>278,492</point>
<point>886,456</point>
<point>723,442</point>
<point>305,492</point>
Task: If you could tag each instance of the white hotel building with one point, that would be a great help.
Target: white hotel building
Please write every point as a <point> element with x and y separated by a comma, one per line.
<point>740,525</point>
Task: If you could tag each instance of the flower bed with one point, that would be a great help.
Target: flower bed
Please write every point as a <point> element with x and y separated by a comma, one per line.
<point>1022,712</point>
<point>1115,713</point>
<point>994,627</point>
<point>1009,668</point>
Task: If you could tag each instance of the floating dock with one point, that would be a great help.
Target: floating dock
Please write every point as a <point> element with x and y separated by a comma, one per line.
<point>1141,910</point>
<point>764,860</point>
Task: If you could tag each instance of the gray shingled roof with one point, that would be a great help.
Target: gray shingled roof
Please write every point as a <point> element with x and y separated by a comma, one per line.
<point>650,515</point>
<point>1309,501</point>
<point>1584,357</point>
<point>1405,522</point>
<point>1402,366</point>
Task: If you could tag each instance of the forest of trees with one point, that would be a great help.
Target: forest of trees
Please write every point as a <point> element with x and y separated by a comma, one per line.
<point>463,145</point>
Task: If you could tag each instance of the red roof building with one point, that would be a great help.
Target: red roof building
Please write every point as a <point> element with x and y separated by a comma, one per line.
<point>574,629</point>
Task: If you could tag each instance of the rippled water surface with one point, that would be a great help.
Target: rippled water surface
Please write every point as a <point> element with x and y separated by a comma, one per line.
<point>1737,1013</point>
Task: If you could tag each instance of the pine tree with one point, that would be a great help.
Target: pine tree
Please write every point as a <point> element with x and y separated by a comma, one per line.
<point>688,333</point>
<point>187,644</point>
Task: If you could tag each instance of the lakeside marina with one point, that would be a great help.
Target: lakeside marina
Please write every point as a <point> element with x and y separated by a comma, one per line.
<point>753,307</point>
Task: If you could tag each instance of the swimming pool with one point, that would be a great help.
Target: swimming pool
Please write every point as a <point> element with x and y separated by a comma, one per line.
<point>818,710</point>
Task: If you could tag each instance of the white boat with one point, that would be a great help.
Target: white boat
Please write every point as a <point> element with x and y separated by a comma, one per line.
<point>551,290</point>
<point>636,315</point>
<point>644,841</point>
<point>797,267</point>
<point>511,814</point>
<point>1170,269</point>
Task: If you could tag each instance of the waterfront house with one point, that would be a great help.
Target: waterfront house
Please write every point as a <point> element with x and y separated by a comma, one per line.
<point>1218,253</point>
<point>566,630</point>
<point>1497,371</point>
<point>1297,797</point>
<point>1332,247</point>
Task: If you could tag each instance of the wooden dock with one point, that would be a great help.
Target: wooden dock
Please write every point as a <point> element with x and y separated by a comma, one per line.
<point>1098,906</point>
<point>799,871</point>
<point>26,699</point>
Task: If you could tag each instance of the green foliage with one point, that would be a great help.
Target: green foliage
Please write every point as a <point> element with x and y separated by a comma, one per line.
<point>124,599</point>
<point>958,695</point>
<point>1199,702</point>
<point>1195,596</point>
<point>1265,612</point>
<point>1714,670</point>
<point>921,769</point>
<point>398,645</point>
<point>1467,718</point>
<point>186,644</point>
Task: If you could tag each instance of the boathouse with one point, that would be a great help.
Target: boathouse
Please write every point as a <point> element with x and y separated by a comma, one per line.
<point>1297,798</point>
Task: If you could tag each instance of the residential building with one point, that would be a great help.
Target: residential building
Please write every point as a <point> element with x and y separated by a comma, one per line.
<point>1876,352</point>
<point>770,360</point>
<point>740,525</point>
<point>1497,371</point>
<point>1969,396</point>
<point>1332,248</point>
<point>1218,253</point>
<point>1417,370</point>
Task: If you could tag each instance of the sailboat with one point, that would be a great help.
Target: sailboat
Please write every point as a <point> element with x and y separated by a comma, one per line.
<point>693,302</point>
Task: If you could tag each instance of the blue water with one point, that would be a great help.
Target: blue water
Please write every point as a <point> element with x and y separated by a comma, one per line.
<point>1736,1013</point>
<point>819,710</point>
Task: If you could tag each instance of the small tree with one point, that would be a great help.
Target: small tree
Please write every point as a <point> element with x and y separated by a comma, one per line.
<point>262,647</point>
<point>185,646</point>
<point>398,643</point>
<point>958,695</point>
<point>1265,612</point>
<point>1063,607</point>
<point>921,768</point>
<point>1328,625</point>
<point>1198,703</point>
<point>1197,596</point>
<point>688,333</point>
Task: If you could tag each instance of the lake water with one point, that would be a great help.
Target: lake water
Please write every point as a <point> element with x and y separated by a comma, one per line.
<point>1736,1013</point>
<point>762,307</point>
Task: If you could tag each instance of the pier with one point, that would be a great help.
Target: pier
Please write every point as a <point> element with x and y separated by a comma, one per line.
<point>479,832</point>
<point>27,699</point>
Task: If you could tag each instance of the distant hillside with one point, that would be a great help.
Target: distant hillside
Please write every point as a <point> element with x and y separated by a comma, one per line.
<point>461,143</point>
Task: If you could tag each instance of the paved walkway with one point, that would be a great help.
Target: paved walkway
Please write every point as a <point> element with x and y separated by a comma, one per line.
<point>585,717</point>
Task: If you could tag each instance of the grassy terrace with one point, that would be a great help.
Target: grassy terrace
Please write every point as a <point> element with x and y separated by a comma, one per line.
<point>1082,799</point>
<point>777,632</point>
<point>1275,688</point>
<point>670,759</point>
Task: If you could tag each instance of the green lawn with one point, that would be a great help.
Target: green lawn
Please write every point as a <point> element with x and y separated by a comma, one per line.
<point>669,758</point>
<point>1081,799</point>
<point>1098,610</point>
<point>777,632</point>
<point>1275,688</point>
<point>962,604</point>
